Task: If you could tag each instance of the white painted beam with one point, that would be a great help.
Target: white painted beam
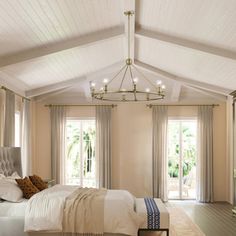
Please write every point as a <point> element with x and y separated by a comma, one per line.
<point>129,5</point>
<point>144,33</point>
<point>56,47</point>
<point>182,80</point>
<point>176,90</point>
<point>13,84</point>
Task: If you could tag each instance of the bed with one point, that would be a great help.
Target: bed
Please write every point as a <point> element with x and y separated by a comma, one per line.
<point>13,215</point>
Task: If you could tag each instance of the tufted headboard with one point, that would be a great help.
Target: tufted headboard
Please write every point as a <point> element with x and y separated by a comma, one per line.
<point>10,160</point>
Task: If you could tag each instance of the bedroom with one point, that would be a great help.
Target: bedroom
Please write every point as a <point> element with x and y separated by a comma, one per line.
<point>51,52</point>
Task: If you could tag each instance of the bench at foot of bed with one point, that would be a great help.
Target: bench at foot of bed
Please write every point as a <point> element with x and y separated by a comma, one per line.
<point>154,214</point>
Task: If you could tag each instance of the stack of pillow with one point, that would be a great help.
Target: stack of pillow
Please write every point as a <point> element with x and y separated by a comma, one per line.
<point>13,188</point>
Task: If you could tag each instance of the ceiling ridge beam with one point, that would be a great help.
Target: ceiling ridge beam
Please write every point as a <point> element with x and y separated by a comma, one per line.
<point>55,47</point>
<point>206,48</point>
<point>184,81</point>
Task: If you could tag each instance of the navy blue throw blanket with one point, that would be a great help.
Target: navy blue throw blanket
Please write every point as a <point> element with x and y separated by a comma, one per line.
<point>153,214</point>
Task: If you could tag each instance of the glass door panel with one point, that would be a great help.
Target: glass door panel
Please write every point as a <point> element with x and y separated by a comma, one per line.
<point>173,161</point>
<point>182,159</point>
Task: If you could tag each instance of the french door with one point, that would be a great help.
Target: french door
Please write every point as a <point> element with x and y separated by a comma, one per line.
<point>182,151</point>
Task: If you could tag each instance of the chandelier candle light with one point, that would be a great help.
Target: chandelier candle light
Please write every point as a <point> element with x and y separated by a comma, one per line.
<point>127,80</point>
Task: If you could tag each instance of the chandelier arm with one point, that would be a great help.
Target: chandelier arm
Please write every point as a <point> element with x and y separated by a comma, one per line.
<point>134,85</point>
<point>117,74</point>
<point>149,81</point>
<point>131,76</point>
<point>123,77</point>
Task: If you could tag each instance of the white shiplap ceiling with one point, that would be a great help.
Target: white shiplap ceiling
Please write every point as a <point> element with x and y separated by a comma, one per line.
<point>49,45</point>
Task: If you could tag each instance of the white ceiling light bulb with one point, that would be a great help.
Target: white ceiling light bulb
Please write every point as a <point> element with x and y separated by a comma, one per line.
<point>147,90</point>
<point>135,80</point>
<point>105,81</point>
<point>159,82</point>
<point>163,87</point>
<point>92,84</point>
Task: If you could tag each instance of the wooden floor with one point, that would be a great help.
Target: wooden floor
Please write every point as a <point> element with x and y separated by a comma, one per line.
<point>213,219</point>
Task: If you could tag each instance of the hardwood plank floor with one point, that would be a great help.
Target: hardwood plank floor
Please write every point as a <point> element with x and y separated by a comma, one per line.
<point>213,219</point>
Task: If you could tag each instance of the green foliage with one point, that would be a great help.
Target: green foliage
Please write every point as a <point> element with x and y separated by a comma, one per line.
<point>188,149</point>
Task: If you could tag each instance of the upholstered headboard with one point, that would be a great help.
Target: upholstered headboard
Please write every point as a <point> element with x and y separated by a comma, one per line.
<point>10,160</point>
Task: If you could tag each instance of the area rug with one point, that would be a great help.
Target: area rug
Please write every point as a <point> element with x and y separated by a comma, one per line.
<point>180,225</point>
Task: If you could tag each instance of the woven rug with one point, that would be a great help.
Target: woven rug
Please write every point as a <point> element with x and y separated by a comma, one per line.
<point>180,225</point>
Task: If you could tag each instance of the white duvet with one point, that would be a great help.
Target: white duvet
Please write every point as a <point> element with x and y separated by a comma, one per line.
<point>44,211</point>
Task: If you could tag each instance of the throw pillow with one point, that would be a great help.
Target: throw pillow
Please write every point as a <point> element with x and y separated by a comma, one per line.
<point>38,182</point>
<point>27,187</point>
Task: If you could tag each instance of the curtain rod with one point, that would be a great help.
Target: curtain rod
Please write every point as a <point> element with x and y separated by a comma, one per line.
<point>5,88</point>
<point>187,105</point>
<point>80,105</point>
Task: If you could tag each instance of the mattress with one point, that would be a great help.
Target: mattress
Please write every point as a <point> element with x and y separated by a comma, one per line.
<point>12,218</point>
<point>12,209</point>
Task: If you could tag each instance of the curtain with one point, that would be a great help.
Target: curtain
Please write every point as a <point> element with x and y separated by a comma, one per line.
<point>1,116</point>
<point>159,151</point>
<point>9,120</point>
<point>103,149</point>
<point>58,123</point>
<point>26,139</point>
<point>205,154</point>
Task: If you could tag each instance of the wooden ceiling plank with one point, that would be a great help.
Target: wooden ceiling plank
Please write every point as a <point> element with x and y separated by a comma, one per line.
<point>144,33</point>
<point>182,80</point>
<point>82,41</point>
<point>54,87</point>
<point>83,81</point>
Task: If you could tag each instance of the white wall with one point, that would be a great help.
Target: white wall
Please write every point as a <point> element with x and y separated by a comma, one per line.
<point>132,145</point>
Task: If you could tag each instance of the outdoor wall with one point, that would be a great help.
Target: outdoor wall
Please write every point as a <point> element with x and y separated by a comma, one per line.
<point>132,145</point>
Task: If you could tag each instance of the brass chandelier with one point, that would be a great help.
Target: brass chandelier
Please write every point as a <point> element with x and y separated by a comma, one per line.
<point>127,79</point>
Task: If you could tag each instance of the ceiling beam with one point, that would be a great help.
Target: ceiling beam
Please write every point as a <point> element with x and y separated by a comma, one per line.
<point>129,5</point>
<point>13,84</point>
<point>176,90</point>
<point>206,48</point>
<point>55,47</point>
<point>182,80</point>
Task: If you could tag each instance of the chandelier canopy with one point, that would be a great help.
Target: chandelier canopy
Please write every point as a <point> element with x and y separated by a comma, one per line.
<point>128,83</point>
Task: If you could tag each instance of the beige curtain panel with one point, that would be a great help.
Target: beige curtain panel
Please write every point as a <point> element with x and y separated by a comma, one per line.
<point>26,139</point>
<point>103,145</point>
<point>205,154</point>
<point>159,151</point>
<point>58,123</point>
<point>9,120</point>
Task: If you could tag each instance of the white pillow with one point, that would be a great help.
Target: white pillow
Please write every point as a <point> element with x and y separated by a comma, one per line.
<point>9,189</point>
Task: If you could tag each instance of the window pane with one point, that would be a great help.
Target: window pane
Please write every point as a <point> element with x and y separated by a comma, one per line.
<point>89,153</point>
<point>73,154</point>
<point>80,147</point>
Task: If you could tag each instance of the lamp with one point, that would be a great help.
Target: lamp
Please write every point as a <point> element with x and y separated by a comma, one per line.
<point>129,82</point>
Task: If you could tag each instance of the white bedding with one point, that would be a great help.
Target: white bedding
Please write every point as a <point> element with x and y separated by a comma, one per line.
<point>44,211</point>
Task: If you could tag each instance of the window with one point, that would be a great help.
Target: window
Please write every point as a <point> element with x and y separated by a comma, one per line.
<point>182,159</point>
<point>17,129</point>
<point>80,152</point>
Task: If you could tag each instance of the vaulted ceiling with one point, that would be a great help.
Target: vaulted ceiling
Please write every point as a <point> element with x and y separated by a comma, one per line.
<point>55,47</point>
